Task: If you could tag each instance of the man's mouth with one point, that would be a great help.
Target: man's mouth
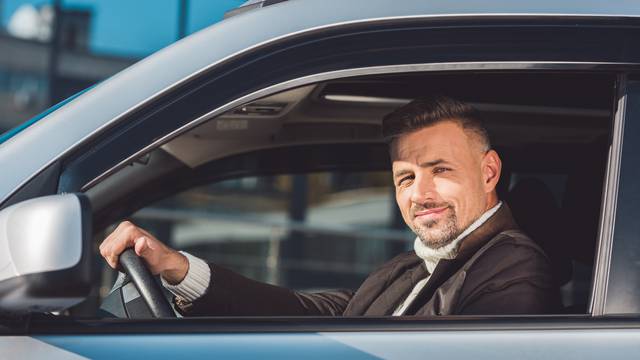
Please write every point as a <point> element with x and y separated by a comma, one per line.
<point>429,213</point>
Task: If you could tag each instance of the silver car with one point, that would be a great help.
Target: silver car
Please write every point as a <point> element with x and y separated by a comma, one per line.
<point>257,143</point>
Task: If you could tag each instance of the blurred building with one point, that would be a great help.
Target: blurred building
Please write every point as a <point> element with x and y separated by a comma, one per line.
<point>28,81</point>
<point>46,53</point>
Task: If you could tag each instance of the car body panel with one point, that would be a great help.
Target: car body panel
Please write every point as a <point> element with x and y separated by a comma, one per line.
<point>24,347</point>
<point>31,151</point>
<point>14,131</point>
<point>512,344</point>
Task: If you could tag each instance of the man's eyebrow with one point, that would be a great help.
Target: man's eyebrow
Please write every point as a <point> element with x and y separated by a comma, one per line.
<point>433,163</point>
<point>427,164</point>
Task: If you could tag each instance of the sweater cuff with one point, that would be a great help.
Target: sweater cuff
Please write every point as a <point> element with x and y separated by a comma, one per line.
<point>195,283</point>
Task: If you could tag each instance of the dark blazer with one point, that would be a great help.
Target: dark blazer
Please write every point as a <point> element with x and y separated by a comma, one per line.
<point>498,270</point>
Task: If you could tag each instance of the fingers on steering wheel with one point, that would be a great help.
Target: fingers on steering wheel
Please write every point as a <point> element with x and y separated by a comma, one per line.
<point>121,238</point>
<point>140,245</point>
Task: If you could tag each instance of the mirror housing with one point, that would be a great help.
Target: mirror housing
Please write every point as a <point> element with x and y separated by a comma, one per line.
<point>46,261</point>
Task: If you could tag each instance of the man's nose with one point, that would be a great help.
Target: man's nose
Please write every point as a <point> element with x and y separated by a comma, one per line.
<point>424,190</point>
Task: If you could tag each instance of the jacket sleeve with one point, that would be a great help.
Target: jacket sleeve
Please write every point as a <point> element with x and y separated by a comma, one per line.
<point>512,279</point>
<point>231,294</point>
<point>521,298</point>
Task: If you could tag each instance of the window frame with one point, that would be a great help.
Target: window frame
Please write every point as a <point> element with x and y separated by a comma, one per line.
<point>601,265</point>
<point>609,194</point>
<point>47,325</point>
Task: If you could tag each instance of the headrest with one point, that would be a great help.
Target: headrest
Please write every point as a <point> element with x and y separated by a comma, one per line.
<point>538,215</point>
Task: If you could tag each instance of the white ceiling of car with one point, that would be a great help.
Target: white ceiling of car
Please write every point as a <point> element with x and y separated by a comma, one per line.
<point>305,118</point>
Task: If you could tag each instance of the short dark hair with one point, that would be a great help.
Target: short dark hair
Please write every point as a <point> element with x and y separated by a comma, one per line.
<point>428,111</point>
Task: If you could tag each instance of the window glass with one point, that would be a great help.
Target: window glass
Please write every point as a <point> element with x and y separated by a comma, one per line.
<point>623,292</point>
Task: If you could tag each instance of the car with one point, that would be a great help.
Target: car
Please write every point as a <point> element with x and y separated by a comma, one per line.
<point>256,143</point>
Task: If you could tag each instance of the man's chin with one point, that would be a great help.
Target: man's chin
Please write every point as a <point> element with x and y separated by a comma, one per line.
<point>435,238</point>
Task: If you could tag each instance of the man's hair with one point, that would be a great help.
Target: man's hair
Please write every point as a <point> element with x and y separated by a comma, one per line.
<point>428,111</point>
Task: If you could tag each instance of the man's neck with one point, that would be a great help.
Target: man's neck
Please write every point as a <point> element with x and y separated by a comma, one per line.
<point>492,201</point>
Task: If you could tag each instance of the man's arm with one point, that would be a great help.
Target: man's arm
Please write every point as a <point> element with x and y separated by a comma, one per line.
<point>521,298</point>
<point>232,294</point>
<point>195,283</point>
<point>226,293</point>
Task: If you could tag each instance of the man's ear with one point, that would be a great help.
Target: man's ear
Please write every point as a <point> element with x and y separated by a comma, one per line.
<point>491,168</point>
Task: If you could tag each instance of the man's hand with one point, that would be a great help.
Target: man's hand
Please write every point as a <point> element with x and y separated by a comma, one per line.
<point>160,259</point>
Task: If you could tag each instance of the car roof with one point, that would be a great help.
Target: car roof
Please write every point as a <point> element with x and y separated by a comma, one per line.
<point>29,152</point>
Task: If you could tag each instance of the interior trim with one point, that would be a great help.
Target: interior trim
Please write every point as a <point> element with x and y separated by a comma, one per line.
<point>602,262</point>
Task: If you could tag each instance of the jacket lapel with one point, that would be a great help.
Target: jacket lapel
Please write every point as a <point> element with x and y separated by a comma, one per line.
<point>397,290</point>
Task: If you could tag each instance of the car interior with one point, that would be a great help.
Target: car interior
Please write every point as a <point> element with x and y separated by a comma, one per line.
<point>551,129</point>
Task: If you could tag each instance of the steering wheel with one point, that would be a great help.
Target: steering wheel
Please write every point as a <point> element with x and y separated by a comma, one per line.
<point>147,286</point>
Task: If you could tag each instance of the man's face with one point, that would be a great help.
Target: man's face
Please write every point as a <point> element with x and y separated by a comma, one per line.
<point>444,181</point>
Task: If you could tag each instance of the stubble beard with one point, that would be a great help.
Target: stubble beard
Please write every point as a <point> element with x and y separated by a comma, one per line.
<point>438,233</point>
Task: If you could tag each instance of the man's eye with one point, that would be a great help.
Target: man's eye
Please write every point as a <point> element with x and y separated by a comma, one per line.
<point>439,170</point>
<point>405,180</point>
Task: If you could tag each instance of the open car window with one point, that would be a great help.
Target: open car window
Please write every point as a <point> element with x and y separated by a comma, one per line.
<point>294,189</point>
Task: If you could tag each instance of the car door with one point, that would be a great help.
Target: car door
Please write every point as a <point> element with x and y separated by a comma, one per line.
<point>401,44</point>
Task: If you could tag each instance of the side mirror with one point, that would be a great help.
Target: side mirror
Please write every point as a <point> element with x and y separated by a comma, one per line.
<point>45,253</point>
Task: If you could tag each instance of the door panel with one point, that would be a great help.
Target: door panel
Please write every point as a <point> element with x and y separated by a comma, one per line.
<point>535,344</point>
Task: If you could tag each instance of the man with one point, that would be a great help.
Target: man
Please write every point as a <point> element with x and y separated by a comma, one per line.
<point>469,256</point>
